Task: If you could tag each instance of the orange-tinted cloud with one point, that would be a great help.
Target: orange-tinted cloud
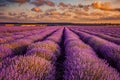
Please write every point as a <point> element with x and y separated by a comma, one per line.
<point>51,12</point>
<point>22,16</point>
<point>12,14</point>
<point>43,2</point>
<point>117,9</point>
<point>63,4</point>
<point>102,5</point>
<point>1,13</point>
<point>21,1</point>
<point>36,9</point>
<point>49,3</point>
<point>18,1</point>
<point>54,13</point>
<point>117,1</point>
<point>38,2</point>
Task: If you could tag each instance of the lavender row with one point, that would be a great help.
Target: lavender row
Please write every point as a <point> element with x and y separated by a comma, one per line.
<point>82,63</point>
<point>25,32</point>
<point>36,64</point>
<point>19,36</point>
<point>107,37</point>
<point>25,71</point>
<point>107,30</point>
<point>27,68</point>
<point>48,48</point>
<point>19,46</point>
<point>56,37</point>
<point>5,29</point>
<point>106,49</point>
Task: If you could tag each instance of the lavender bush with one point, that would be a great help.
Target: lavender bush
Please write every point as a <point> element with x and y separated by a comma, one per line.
<point>107,37</point>
<point>48,45</point>
<point>27,68</point>
<point>108,50</point>
<point>43,53</point>
<point>82,64</point>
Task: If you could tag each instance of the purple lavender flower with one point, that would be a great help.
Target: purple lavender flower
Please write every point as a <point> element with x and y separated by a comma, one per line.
<point>43,53</point>
<point>83,64</point>
<point>4,52</point>
<point>49,45</point>
<point>108,50</point>
<point>27,68</point>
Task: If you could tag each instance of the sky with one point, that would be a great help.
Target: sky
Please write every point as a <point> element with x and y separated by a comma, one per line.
<point>71,11</point>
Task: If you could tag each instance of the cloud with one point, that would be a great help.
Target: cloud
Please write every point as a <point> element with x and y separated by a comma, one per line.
<point>19,16</point>
<point>12,14</point>
<point>50,12</point>
<point>54,13</point>
<point>117,17</point>
<point>17,19</point>
<point>62,4</point>
<point>102,5</point>
<point>22,16</point>
<point>7,19</point>
<point>111,18</point>
<point>50,3</point>
<point>36,9</point>
<point>38,2</point>
<point>117,1</point>
<point>19,1</point>
<point>2,13</point>
<point>3,3</point>
<point>97,14</point>
<point>117,9</point>
<point>81,13</point>
<point>98,11</point>
<point>35,2</point>
<point>12,18</point>
<point>80,5</point>
<point>43,2</point>
<point>74,7</point>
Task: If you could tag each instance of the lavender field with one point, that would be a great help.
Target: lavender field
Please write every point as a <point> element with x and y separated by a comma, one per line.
<point>60,53</point>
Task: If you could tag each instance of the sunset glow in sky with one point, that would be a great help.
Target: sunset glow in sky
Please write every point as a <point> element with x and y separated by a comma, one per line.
<point>73,11</point>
